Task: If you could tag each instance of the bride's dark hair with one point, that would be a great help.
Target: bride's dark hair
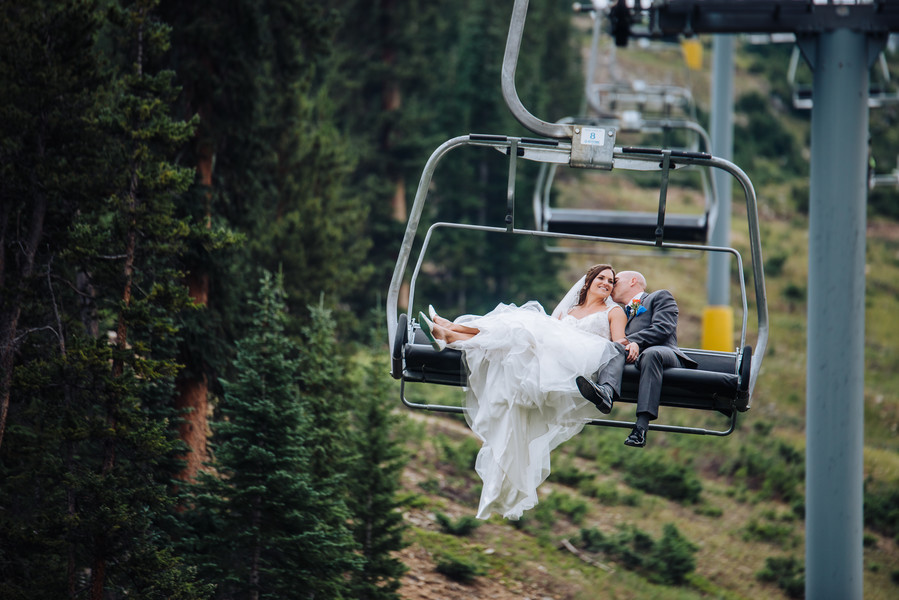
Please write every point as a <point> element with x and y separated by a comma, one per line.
<point>592,272</point>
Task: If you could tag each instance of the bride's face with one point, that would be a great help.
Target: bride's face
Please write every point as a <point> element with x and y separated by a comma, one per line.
<point>602,285</point>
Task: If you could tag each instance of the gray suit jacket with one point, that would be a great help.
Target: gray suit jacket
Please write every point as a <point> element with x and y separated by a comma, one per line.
<point>657,325</point>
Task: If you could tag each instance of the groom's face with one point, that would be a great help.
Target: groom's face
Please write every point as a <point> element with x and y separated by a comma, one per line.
<point>618,292</point>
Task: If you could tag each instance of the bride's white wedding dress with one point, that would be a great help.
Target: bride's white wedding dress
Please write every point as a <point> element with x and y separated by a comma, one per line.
<point>521,398</point>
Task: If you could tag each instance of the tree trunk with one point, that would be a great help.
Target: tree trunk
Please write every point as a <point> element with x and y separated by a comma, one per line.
<point>98,570</point>
<point>192,400</point>
<point>192,403</point>
<point>9,319</point>
<point>256,520</point>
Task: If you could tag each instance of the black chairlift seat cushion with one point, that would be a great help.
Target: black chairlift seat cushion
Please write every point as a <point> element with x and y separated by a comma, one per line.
<point>626,225</point>
<point>718,383</point>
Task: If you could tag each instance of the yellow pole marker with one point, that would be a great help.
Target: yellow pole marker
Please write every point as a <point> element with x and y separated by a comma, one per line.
<point>692,50</point>
<point>718,328</point>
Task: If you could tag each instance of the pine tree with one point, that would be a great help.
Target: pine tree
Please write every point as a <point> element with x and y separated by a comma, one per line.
<point>271,168</point>
<point>84,463</point>
<point>262,525</point>
<point>325,392</point>
<point>374,479</point>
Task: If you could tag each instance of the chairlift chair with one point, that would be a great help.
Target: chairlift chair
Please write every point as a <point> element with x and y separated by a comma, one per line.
<point>723,382</point>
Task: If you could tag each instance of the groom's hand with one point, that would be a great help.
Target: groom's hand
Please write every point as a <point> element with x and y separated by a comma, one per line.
<point>633,350</point>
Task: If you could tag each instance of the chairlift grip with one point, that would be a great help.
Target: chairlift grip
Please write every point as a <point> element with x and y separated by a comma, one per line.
<point>663,196</point>
<point>510,191</point>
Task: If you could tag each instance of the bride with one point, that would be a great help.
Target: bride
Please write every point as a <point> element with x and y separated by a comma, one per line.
<point>521,398</point>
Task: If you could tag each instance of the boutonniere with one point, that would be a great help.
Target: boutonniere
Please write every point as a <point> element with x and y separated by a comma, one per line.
<point>636,307</point>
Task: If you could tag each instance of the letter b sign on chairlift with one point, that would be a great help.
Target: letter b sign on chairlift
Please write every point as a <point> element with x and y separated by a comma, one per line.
<point>592,147</point>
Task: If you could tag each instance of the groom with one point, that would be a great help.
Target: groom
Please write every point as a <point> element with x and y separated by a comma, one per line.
<point>650,341</point>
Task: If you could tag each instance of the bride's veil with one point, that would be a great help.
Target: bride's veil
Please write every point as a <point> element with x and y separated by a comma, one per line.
<point>570,299</point>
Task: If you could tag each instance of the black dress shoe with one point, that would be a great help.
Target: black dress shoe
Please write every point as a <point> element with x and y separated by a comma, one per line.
<point>637,438</point>
<point>600,395</point>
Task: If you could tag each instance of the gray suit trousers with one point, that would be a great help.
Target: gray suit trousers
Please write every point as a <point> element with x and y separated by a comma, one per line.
<point>651,363</point>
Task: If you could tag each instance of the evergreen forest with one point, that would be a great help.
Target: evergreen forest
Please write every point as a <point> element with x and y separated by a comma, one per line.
<point>201,206</point>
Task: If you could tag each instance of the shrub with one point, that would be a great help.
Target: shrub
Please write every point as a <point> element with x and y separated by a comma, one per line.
<point>659,475</point>
<point>592,540</point>
<point>787,572</point>
<point>462,526</point>
<point>668,560</point>
<point>568,474</point>
<point>881,507</point>
<point>673,557</point>
<point>774,265</point>
<point>709,510</point>
<point>461,455</point>
<point>457,568</point>
<point>574,508</point>
<point>773,533</point>
<point>775,470</point>
<point>605,493</point>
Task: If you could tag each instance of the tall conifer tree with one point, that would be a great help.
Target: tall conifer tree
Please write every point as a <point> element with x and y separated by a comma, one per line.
<point>84,482</point>
<point>373,482</point>
<point>264,524</point>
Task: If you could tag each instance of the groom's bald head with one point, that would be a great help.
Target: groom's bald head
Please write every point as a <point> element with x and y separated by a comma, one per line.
<point>630,283</point>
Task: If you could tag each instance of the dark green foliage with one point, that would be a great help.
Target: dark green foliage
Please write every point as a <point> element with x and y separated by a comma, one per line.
<point>775,470</point>
<point>568,474</point>
<point>767,149</point>
<point>462,454</point>
<point>373,482</point>
<point>667,560</point>
<point>882,507</point>
<point>461,526</point>
<point>88,269</point>
<point>474,272</point>
<point>607,494</point>
<point>458,568</point>
<point>656,473</point>
<point>774,265</point>
<point>788,573</point>
<point>778,534</point>
<point>673,557</point>
<point>573,508</point>
<point>264,519</point>
<point>325,393</point>
<point>273,165</point>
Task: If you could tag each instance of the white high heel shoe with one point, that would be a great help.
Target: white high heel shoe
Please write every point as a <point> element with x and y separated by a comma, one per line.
<point>427,326</point>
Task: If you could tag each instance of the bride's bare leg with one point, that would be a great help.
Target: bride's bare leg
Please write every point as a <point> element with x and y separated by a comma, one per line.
<point>463,329</point>
<point>447,324</point>
<point>454,333</point>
